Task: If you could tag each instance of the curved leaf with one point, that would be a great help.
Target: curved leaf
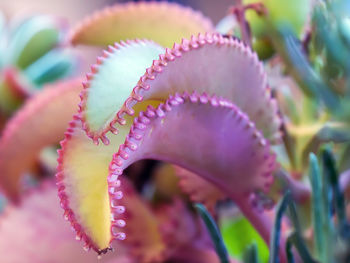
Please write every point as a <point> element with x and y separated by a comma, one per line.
<point>40,123</point>
<point>234,73</point>
<point>157,21</point>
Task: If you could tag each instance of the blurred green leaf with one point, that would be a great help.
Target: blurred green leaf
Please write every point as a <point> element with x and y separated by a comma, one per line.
<point>331,132</point>
<point>308,79</point>
<point>328,228</point>
<point>238,234</point>
<point>296,240</point>
<point>289,252</point>
<point>317,208</point>
<point>327,30</point>
<point>332,175</point>
<point>50,67</point>
<point>331,25</point>
<point>276,231</point>
<point>33,39</point>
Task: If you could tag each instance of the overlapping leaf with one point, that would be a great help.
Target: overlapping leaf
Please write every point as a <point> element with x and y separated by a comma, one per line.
<point>220,137</point>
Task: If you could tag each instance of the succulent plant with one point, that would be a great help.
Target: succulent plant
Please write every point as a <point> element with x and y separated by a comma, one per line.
<point>260,148</point>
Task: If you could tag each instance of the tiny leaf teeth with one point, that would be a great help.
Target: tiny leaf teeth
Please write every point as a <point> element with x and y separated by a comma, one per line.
<point>115,197</point>
<point>134,223</point>
<point>24,136</point>
<point>105,83</point>
<point>256,148</point>
<point>240,78</point>
<point>121,22</point>
<point>73,189</point>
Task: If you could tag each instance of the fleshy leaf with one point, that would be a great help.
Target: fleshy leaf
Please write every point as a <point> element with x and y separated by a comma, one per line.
<point>234,73</point>
<point>81,176</point>
<point>112,80</point>
<point>83,189</point>
<point>40,123</point>
<point>224,131</point>
<point>36,232</point>
<point>157,21</point>
<point>82,186</point>
<point>83,166</point>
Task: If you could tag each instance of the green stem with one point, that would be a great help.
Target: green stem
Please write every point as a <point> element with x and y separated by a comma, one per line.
<point>214,233</point>
<point>332,175</point>
<point>296,240</point>
<point>317,208</point>
<point>276,232</point>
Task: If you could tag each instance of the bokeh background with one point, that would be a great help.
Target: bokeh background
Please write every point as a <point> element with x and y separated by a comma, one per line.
<point>73,10</point>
